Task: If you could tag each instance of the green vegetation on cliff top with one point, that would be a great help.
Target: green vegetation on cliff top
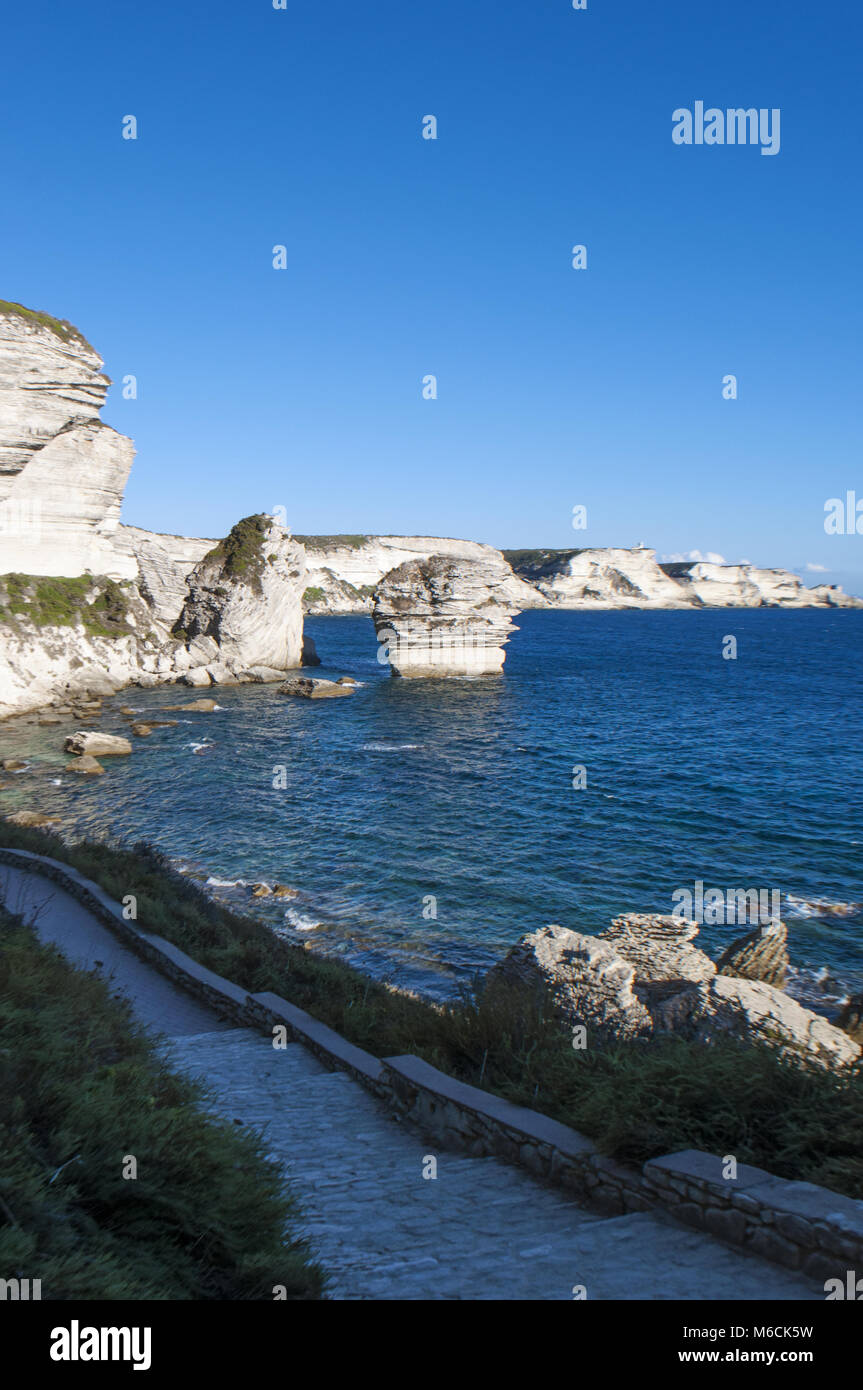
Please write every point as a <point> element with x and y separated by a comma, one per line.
<point>65,330</point>
<point>349,542</point>
<point>58,601</point>
<point>537,564</point>
<point>240,554</point>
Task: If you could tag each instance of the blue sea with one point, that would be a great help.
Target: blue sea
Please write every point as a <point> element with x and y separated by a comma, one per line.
<point>427,825</point>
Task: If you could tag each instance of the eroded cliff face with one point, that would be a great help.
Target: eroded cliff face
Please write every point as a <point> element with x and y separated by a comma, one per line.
<point>62,472</point>
<point>610,577</point>
<point>747,586</point>
<point>443,616</point>
<point>245,596</point>
<point>163,564</point>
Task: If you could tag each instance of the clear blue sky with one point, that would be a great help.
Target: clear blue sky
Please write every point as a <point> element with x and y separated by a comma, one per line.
<point>302,387</point>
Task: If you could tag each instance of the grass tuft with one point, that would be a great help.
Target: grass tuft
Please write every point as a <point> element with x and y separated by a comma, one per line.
<point>82,1087</point>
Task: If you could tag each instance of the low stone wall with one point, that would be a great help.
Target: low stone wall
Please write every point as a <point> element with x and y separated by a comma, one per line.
<point>795,1224</point>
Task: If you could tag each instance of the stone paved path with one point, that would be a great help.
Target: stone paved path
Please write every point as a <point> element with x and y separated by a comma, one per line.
<point>479,1230</point>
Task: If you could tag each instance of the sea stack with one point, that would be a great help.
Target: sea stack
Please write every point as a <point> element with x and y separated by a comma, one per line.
<point>445,616</point>
<point>244,604</point>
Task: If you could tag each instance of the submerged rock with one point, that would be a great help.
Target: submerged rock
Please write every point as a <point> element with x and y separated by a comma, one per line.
<point>313,688</point>
<point>199,705</point>
<point>86,766</point>
<point>97,744</point>
<point>761,954</point>
<point>260,675</point>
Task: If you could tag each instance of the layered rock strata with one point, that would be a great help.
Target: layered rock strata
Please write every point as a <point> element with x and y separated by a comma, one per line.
<point>643,977</point>
<point>761,954</point>
<point>62,471</point>
<point>444,616</point>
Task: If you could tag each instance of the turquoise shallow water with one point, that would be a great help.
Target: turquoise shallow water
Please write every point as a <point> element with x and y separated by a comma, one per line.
<point>740,774</point>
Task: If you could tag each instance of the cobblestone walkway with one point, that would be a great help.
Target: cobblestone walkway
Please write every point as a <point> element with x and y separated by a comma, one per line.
<point>478,1230</point>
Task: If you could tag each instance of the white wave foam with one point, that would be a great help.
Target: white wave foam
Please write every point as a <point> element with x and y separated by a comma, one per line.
<point>300,921</point>
<point>819,907</point>
<point>389,747</point>
<point>226,883</point>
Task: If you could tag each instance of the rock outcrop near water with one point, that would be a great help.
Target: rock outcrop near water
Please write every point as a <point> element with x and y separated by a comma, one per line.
<point>310,688</point>
<point>761,954</point>
<point>643,978</point>
<point>444,616</point>
<point>244,604</point>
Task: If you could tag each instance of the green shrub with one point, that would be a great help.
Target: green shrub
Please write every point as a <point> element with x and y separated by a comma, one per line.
<point>80,1087</point>
<point>240,554</point>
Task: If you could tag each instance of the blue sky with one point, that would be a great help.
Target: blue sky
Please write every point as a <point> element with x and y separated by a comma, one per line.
<point>557,387</point>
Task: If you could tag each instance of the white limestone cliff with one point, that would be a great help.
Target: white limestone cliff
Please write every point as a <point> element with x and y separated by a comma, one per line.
<point>62,472</point>
<point>62,476</point>
<point>163,564</point>
<point>609,578</point>
<point>245,600</point>
<point>747,586</point>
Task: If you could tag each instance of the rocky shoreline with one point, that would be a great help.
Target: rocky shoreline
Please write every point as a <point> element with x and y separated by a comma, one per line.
<point>89,606</point>
<point>641,978</point>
